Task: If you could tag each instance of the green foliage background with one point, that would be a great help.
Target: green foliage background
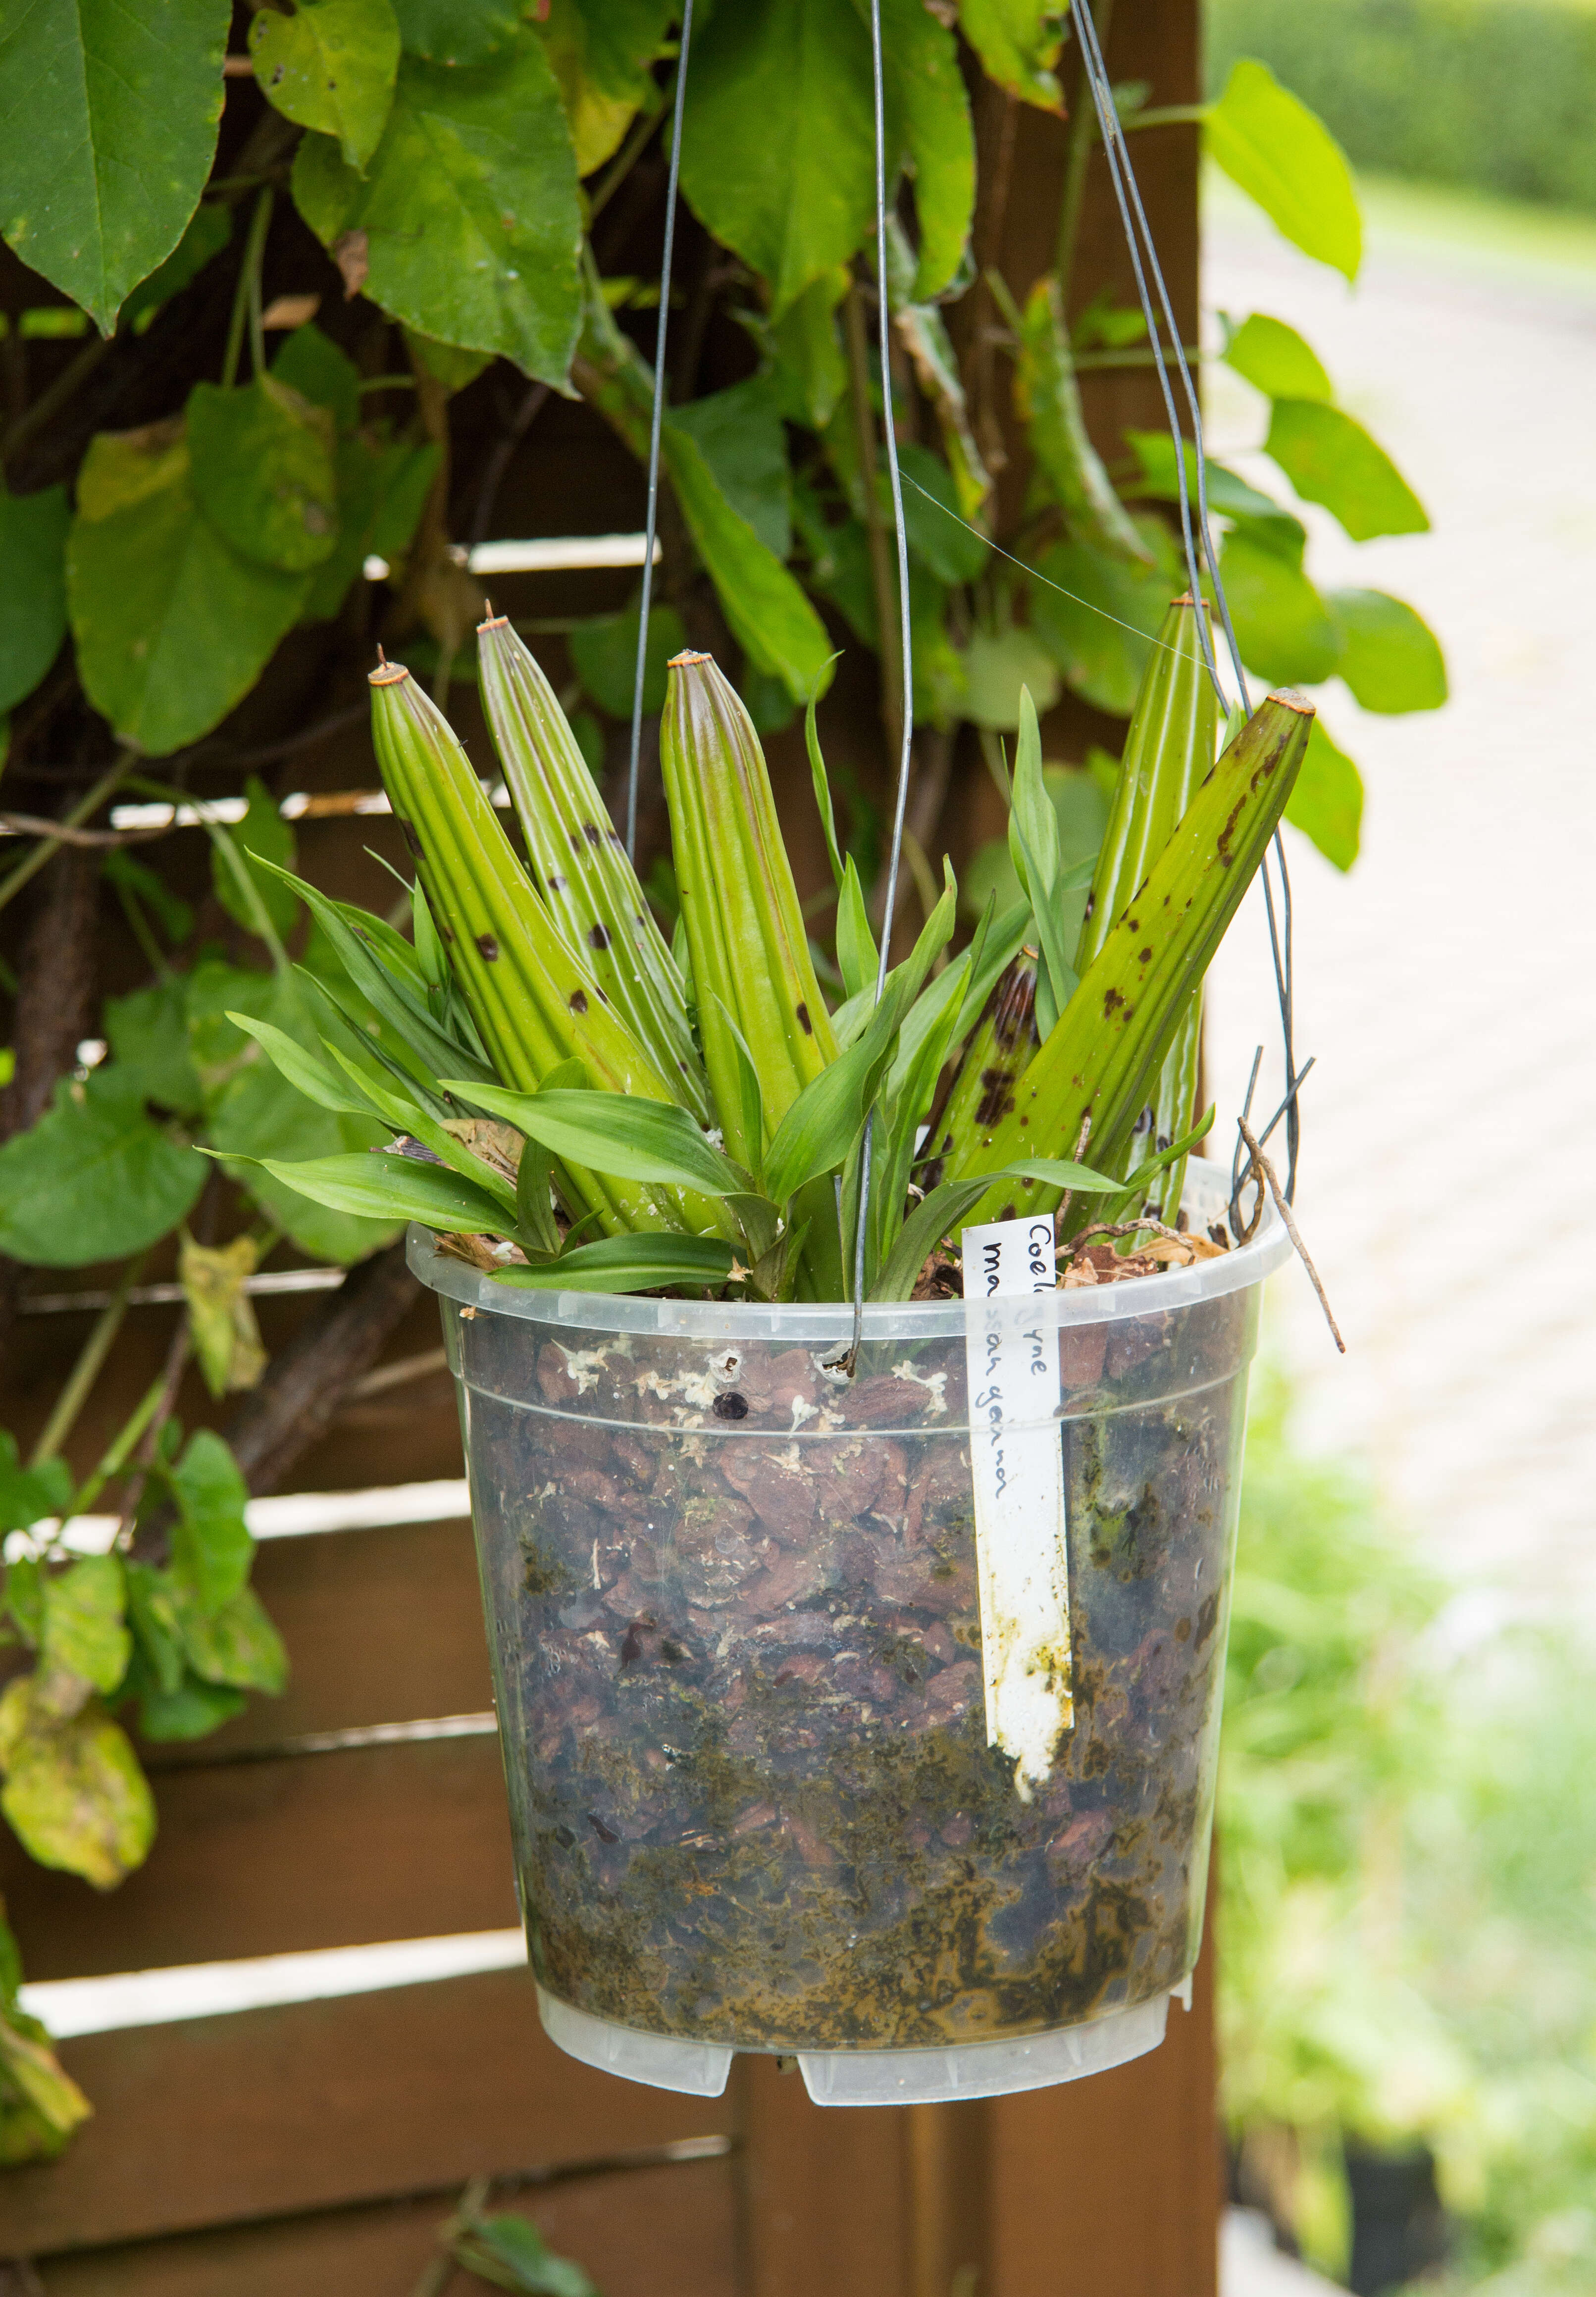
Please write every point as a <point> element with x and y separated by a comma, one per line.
<point>1498,95</point>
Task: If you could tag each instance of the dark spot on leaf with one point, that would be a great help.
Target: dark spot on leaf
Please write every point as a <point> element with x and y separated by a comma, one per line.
<point>599,1828</point>
<point>556,883</point>
<point>1143,955</point>
<point>579,1003</point>
<point>804,1023</point>
<point>1112,1003</point>
<point>598,938</point>
<point>592,833</point>
<point>407,829</point>
<point>730,1407</point>
<point>489,946</point>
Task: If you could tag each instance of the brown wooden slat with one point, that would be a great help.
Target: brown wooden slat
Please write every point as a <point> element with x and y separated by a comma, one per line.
<point>381,1626</point>
<point>273,2111</point>
<point>658,2232</point>
<point>824,2191</point>
<point>1110,2187</point>
<point>281,1857</point>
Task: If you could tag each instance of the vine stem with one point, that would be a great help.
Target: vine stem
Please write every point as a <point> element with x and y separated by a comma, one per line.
<point>9,887</point>
<point>1082,136</point>
<point>91,1357</point>
<point>246,295</point>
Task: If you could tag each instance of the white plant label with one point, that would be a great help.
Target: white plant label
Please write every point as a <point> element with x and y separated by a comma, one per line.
<point>1016,1460</point>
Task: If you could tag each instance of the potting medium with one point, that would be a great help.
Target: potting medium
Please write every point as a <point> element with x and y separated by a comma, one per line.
<point>733,1609</point>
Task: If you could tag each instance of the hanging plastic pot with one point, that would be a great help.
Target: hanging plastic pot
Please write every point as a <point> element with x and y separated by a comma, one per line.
<point>737,1637</point>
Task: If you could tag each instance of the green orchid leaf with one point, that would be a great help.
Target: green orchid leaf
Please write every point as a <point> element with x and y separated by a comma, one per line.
<point>387,1187</point>
<point>33,582</point>
<point>1282,155</point>
<point>628,1263</point>
<point>302,1069</point>
<point>94,1180</point>
<point>858,957</point>
<point>173,625</point>
<point>1326,803</point>
<point>1330,459</point>
<point>329,66</point>
<point>1390,657</point>
<point>1274,360</point>
<point>107,125</point>
<point>262,836</point>
<point>467,217</point>
<point>608,1133</point>
<point>261,461</point>
<point>252,1112</point>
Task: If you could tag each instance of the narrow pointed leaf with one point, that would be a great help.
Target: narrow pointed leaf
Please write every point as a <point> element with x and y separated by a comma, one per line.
<point>633,1140</point>
<point>383,1185</point>
<point>629,1263</point>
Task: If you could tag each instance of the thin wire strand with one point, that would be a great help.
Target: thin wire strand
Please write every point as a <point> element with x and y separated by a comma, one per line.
<point>655,421</point>
<point>1128,198</point>
<point>906,741</point>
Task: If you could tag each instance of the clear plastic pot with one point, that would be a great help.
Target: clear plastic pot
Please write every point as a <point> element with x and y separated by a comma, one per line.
<point>732,1603</point>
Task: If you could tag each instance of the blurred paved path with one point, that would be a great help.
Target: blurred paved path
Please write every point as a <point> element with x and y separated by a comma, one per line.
<point>1449,985</point>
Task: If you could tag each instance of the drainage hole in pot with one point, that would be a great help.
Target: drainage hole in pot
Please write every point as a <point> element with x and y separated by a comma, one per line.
<point>730,1407</point>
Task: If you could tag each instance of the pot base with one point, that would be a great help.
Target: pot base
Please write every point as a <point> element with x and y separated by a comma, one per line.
<point>923,2076</point>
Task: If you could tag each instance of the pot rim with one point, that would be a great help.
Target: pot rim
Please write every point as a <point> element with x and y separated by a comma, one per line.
<point>822,1322</point>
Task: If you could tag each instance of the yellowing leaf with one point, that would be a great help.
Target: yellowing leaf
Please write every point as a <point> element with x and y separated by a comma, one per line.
<point>1018,42</point>
<point>74,1793</point>
<point>85,1630</point>
<point>329,66</point>
<point>222,1317</point>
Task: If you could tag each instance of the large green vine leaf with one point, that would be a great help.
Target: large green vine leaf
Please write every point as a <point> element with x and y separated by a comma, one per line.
<point>1331,459</point>
<point>1283,156</point>
<point>261,459</point>
<point>1282,625</point>
<point>1390,657</point>
<point>108,124</point>
<point>468,214</point>
<point>926,91</point>
<point>779,138</point>
<point>94,1178</point>
<point>601,51</point>
<point>33,618</point>
<point>1327,803</point>
<point>173,625</point>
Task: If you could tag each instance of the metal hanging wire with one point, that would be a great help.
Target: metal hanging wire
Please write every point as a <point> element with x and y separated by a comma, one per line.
<point>1138,241</point>
<point>1159,314</point>
<point>656,419</point>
